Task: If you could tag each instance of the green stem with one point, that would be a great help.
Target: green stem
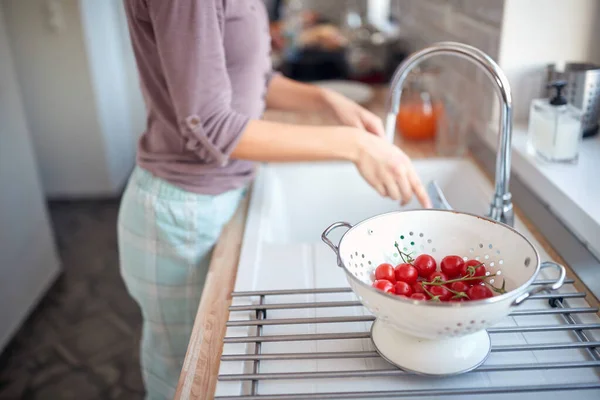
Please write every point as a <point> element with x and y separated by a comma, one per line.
<point>500,290</point>
<point>434,298</point>
<point>464,279</point>
<point>457,295</point>
<point>408,259</point>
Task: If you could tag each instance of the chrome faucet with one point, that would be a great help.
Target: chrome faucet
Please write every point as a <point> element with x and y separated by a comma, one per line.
<point>501,208</point>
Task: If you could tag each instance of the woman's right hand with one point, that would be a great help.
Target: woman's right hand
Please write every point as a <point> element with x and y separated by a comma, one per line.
<point>389,170</point>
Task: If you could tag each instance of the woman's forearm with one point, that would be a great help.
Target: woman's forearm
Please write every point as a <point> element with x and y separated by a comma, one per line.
<point>288,95</point>
<point>271,141</point>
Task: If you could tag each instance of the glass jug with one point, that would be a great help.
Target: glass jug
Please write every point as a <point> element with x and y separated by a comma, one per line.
<point>420,107</point>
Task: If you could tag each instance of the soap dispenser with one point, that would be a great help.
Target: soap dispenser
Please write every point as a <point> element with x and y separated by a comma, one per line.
<point>555,127</point>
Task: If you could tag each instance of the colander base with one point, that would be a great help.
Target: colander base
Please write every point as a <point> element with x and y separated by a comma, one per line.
<point>430,357</point>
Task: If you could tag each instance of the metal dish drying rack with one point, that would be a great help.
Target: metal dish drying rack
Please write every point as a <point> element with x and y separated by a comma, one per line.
<point>566,307</point>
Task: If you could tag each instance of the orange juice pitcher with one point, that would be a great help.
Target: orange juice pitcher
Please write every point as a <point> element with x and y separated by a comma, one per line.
<point>419,109</point>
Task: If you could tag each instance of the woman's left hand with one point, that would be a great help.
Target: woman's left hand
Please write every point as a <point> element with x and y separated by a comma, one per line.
<point>349,113</point>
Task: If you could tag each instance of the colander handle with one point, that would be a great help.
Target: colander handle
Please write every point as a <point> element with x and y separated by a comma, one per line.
<point>554,286</point>
<point>329,243</point>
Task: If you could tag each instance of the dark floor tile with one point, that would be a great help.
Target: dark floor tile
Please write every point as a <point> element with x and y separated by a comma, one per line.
<point>28,372</point>
<point>71,301</point>
<point>76,385</point>
<point>125,394</point>
<point>14,389</point>
<point>37,332</point>
<point>82,340</point>
<point>122,371</point>
<point>97,338</point>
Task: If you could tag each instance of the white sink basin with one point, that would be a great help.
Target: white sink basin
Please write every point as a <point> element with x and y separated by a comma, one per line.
<point>291,205</point>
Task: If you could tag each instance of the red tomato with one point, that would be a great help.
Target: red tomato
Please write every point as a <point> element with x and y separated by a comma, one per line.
<point>386,272</point>
<point>441,275</point>
<point>418,288</point>
<point>473,268</point>
<point>451,266</point>
<point>425,264</point>
<point>459,286</point>
<point>406,273</point>
<point>418,296</point>
<point>384,286</point>
<point>479,292</point>
<point>403,289</point>
<point>441,292</point>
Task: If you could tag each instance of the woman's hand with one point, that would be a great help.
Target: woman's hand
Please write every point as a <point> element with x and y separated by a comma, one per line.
<point>349,113</point>
<point>389,170</point>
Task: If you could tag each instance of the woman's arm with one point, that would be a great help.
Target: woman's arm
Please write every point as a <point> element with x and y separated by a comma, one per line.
<point>289,95</point>
<point>286,94</point>
<point>384,166</point>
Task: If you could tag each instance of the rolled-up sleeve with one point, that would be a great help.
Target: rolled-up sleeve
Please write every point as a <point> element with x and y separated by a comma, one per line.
<point>189,38</point>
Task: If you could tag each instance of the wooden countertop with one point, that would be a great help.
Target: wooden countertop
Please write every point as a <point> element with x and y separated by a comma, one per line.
<point>198,378</point>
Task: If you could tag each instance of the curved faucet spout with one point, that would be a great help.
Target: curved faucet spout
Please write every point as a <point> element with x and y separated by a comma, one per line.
<point>501,208</point>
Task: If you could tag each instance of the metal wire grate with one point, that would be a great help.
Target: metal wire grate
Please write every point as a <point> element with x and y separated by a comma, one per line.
<point>257,305</point>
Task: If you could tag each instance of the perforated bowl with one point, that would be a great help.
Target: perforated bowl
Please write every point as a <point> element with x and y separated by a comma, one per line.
<point>505,252</point>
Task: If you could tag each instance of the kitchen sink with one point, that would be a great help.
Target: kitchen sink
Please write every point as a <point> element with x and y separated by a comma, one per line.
<point>291,205</point>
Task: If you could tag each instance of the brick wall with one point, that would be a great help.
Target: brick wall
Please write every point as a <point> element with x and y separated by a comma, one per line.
<point>474,22</point>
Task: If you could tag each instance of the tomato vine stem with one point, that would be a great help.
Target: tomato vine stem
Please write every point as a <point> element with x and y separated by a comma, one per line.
<point>408,259</point>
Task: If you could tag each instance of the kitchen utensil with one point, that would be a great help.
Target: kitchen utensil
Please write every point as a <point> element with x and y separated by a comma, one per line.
<point>582,90</point>
<point>437,197</point>
<point>429,337</point>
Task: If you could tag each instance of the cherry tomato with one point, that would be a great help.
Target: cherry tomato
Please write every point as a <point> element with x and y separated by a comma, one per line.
<point>479,292</point>
<point>440,274</point>
<point>385,272</point>
<point>473,268</point>
<point>425,264</point>
<point>403,289</point>
<point>418,296</point>
<point>441,292</point>
<point>459,286</point>
<point>406,273</point>
<point>451,266</point>
<point>418,288</point>
<point>384,286</point>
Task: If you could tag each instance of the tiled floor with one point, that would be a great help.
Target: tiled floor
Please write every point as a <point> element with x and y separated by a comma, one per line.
<point>82,340</point>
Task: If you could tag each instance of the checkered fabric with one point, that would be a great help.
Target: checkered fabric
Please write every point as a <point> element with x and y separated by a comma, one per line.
<point>166,236</point>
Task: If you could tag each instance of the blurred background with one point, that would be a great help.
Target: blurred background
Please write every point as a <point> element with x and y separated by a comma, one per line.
<point>71,112</point>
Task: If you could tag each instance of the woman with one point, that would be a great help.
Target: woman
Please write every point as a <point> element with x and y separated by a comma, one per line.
<point>206,75</point>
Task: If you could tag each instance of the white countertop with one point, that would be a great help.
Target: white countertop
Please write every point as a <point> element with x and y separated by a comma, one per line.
<point>571,191</point>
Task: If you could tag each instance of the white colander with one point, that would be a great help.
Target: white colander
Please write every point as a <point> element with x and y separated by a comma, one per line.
<point>454,329</point>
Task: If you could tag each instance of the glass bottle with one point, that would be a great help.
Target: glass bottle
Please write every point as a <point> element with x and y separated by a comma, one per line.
<point>420,107</point>
<point>555,127</point>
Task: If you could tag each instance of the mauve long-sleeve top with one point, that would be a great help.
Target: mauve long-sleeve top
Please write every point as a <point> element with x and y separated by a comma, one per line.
<point>204,69</point>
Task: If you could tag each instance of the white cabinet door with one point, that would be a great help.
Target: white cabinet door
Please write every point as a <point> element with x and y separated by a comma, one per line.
<point>28,260</point>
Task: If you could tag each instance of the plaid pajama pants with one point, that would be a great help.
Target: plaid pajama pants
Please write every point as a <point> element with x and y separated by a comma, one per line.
<point>166,236</point>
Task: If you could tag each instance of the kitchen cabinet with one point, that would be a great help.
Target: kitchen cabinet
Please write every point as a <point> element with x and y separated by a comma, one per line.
<point>28,259</point>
